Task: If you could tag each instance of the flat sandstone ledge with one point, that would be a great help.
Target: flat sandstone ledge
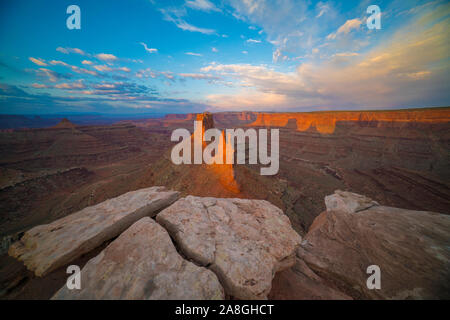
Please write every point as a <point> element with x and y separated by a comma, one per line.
<point>142,263</point>
<point>47,247</point>
<point>245,242</point>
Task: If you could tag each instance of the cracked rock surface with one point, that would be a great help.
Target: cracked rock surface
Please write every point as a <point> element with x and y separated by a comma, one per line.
<point>411,248</point>
<point>142,263</point>
<point>245,242</point>
<point>46,247</point>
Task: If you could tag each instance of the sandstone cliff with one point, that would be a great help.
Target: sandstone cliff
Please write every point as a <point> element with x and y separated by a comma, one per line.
<point>325,122</point>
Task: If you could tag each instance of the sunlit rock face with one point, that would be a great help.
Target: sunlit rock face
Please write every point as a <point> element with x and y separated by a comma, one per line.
<point>207,120</point>
<point>325,122</point>
<point>411,248</point>
<point>219,168</point>
<point>245,242</point>
<point>142,264</point>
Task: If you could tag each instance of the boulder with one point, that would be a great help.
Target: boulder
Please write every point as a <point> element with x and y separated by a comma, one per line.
<point>348,202</point>
<point>411,248</point>
<point>142,264</point>
<point>46,247</point>
<point>301,283</point>
<point>245,242</point>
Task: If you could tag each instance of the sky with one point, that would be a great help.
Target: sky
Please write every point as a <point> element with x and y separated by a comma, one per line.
<point>144,56</point>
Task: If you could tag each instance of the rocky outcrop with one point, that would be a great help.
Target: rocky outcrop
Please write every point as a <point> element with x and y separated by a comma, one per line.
<point>244,249</point>
<point>47,247</point>
<point>142,263</point>
<point>64,124</point>
<point>348,202</point>
<point>411,249</point>
<point>245,242</point>
<point>207,120</point>
<point>301,283</point>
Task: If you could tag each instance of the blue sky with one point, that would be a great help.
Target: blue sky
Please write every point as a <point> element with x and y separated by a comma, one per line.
<point>142,56</point>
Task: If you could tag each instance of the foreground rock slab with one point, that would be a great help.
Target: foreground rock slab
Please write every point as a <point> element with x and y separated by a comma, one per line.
<point>142,263</point>
<point>411,248</point>
<point>245,242</point>
<point>46,247</point>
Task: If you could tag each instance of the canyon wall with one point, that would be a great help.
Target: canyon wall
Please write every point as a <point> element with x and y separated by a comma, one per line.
<point>325,122</point>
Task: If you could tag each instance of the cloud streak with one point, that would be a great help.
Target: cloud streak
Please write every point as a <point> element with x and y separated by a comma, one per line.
<point>149,50</point>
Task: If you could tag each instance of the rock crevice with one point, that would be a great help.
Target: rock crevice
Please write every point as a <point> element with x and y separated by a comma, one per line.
<point>245,242</point>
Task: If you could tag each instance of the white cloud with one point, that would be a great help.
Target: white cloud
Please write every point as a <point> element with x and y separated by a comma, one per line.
<point>322,8</point>
<point>102,68</point>
<point>71,50</point>
<point>183,25</point>
<point>71,86</point>
<point>278,22</point>
<point>38,61</point>
<point>176,15</point>
<point>146,73</point>
<point>348,26</point>
<point>193,54</point>
<point>198,76</point>
<point>278,55</point>
<point>203,5</point>
<point>105,68</point>
<point>150,50</point>
<point>51,75</point>
<point>124,69</point>
<point>106,57</point>
<point>40,86</point>
<point>63,50</point>
<point>253,41</point>
<point>346,54</point>
<point>87,62</point>
<point>58,63</point>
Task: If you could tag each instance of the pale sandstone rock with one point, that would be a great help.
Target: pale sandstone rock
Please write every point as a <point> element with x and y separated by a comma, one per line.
<point>412,249</point>
<point>47,247</point>
<point>142,263</point>
<point>348,202</point>
<point>245,242</point>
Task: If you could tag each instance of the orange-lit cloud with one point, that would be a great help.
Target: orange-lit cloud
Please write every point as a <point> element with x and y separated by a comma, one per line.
<point>407,69</point>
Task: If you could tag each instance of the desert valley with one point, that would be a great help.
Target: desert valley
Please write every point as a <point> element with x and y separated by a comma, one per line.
<point>393,159</point>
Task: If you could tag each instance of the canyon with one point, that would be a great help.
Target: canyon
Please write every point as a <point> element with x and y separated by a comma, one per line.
<point>398,158</point>
<point>230,248</point>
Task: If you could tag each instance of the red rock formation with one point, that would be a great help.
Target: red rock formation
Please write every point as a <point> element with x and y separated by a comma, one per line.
<point>325,122</point>
<point>65,123</point>
<point>224,172</point>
